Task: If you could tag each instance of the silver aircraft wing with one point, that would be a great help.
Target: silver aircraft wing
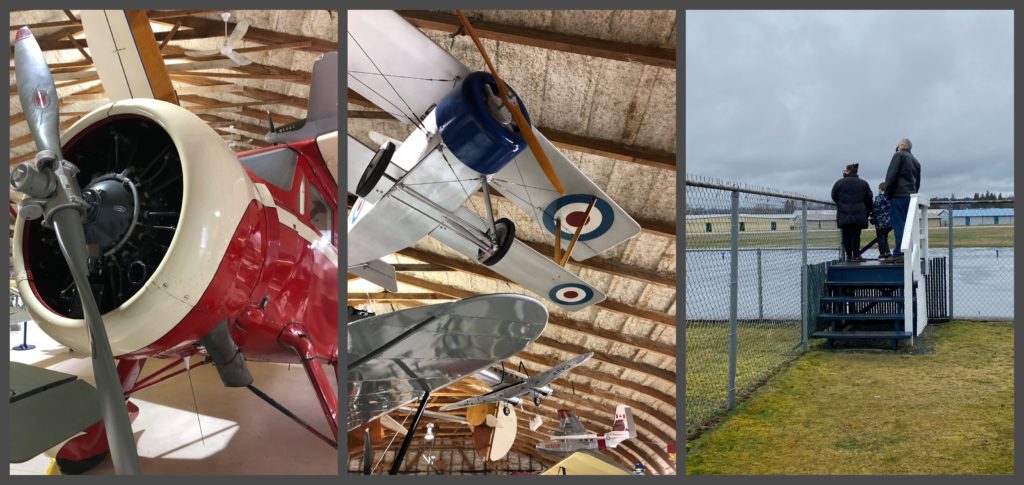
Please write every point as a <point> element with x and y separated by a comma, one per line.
<point>496,395</point>
<point>396,67</point>
<point>525,185</point>
<point>547,377</point>
<point>569,424</point>
<point>396,357</point>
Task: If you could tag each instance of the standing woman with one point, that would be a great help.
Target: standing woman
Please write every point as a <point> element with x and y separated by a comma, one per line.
<point>853,196</point>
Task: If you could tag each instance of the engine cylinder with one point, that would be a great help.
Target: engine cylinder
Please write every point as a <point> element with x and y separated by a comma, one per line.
<point>186,194</point>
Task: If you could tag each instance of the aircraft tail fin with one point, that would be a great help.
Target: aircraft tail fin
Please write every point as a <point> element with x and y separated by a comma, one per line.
<point>622,428</point>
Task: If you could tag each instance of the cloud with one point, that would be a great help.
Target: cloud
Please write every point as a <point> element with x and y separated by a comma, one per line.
<point>785,99</point>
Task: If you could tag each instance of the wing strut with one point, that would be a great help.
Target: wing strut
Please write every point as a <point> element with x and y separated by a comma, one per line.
<point>576,235</point>
<point>269,400</point>
<point>400,457</point>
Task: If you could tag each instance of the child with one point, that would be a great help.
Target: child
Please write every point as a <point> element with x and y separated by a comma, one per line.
<point>880,219</point>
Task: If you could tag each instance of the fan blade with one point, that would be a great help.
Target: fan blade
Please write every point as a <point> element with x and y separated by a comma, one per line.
<point>520,119</point>
<point>204,53</point>
<point>39,102</point>
<point>37,92</point>
<point>238,33</point>
<point>238,58</point>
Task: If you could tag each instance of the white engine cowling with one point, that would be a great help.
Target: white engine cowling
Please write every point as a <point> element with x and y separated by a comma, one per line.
<point>214,194</point>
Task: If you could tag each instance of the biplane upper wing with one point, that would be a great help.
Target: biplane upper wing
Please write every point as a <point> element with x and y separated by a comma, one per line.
<point>527,268</point>
<point>396,357</point>
<point>396,67</point>
<point>523,182</point>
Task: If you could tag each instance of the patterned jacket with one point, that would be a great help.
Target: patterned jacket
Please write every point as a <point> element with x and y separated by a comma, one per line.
<point>880,213</point>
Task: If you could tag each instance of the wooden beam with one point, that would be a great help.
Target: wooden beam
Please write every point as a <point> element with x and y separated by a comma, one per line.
<point>545,39</point>
<point>149,53</point>
<point>169,36</point>
<point>369,115</point>
<point>260,35</point>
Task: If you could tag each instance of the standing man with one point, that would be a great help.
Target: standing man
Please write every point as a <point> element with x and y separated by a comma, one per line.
<point>852,196</point>
<point>901,180</point>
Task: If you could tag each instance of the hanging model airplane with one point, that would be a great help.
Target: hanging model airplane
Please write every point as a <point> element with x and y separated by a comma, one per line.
<point>571,436</point>
<point>471,132</point>
<point>537,386</point>
<point>174,245</point>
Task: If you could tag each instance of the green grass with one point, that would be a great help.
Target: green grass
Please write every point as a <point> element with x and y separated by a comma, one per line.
<point>963,237</point>
<point>945,408</point>
<point>761,350</point>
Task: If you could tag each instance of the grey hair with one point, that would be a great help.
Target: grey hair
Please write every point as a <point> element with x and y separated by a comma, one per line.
<point>905,142</point>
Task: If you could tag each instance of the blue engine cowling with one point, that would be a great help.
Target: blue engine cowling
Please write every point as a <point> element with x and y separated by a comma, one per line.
<point>471,132</point>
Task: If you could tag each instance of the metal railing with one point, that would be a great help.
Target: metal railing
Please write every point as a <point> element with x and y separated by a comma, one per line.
<point>915,265</point>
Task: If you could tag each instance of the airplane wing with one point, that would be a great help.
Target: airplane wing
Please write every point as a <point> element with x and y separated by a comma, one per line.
<point>396,67</point>
<point>404,206</point>
<point>123,70</point>
<point>527,268</point>
<point>570,425</point>
<point>544,378</point>
<point>377,272</point>
<point>524,184</point>
<point>394,358</point>
<point>496,395</point>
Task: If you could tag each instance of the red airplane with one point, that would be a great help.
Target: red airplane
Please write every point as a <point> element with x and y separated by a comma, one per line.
<point>193,249</point>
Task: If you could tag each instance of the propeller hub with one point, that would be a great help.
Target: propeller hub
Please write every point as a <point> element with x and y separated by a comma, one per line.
<point>113,203</point>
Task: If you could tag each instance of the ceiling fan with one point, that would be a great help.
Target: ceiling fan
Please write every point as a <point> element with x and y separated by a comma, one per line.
<point>228,49</point>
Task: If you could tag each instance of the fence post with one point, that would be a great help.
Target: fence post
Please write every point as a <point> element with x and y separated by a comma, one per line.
<point>804,296</point>
<point>760,288</point>
<point>949,262</point>
<point>733,297</point>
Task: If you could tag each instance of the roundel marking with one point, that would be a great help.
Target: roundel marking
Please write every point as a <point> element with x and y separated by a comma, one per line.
<point>571,210</point>
<point>571,294</point>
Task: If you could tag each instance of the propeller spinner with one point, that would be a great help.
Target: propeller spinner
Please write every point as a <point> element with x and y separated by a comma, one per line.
<point>53,192</point>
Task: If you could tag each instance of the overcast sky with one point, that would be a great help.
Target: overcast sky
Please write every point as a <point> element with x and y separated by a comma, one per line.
<point>785,99</point>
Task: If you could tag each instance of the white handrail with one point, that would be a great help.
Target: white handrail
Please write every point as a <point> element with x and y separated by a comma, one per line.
<point>914,247</point>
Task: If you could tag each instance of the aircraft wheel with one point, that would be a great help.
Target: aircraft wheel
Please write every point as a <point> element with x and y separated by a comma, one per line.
<point>78,467</point>
<point>506,233</point>
<point>536,401</point>
<point>375,170</point>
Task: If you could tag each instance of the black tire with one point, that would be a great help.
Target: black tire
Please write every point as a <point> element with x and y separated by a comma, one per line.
<point>78,467</point>
<point>375,170</point>
<point>506,233</point>
<point>506,410</point>
<point>536,401</point>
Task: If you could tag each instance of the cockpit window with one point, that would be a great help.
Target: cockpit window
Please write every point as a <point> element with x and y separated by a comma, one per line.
<point>277,167</point>
<point>320,213</point>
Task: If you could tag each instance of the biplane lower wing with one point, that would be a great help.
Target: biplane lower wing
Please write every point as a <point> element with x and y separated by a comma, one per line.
<point>396,357</point>
<point>527,268</point>
<point>525,184</point>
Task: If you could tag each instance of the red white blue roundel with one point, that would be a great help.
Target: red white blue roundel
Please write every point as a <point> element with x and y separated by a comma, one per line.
<point>570,209</point>
<point>571,294</point>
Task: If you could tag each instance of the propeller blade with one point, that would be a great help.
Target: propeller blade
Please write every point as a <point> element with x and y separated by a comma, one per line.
<point>203,53</point>
<point>517,114</point>
<point>40,105</point>
<point>367,452</point>
<point>238,58</point>
<point>37,91</point>
<point>236,35</point>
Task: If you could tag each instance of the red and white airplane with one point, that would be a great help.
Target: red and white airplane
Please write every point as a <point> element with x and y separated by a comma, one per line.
<point>194,249</point>
<point>572,436</point>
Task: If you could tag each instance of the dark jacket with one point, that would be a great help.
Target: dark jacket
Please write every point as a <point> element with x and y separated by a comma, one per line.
<point>904,175</point>
<point>853,196</point>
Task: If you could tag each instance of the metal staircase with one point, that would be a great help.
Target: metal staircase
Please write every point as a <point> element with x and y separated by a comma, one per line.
<point>874,301</point>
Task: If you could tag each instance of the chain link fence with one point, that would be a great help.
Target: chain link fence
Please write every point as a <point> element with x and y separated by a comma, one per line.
<point>746,250</point>
<point>756,261</point>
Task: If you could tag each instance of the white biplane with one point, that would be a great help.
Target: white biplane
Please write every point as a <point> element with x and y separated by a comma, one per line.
<point>466,138</point>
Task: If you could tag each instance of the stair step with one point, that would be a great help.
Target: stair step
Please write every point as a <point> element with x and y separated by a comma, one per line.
<point>866,284</point>
<point>864,299</point>
<point>861,316</point>
<point>862,335</point>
